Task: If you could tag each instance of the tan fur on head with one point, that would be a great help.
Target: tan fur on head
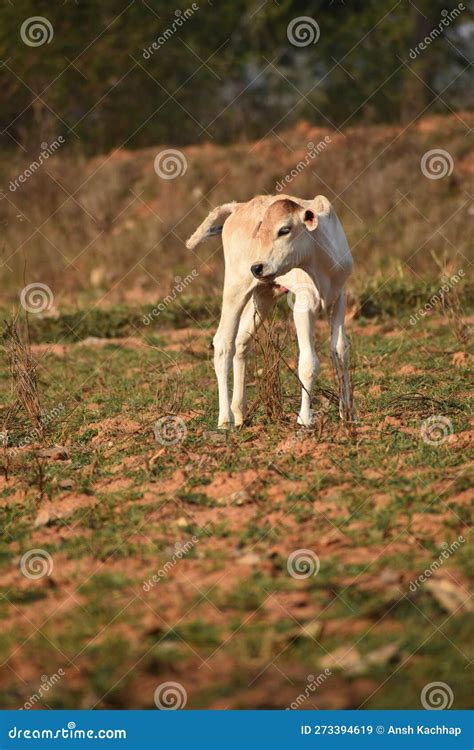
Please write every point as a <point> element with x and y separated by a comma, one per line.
<point>275,215</point>
<point>281,212</point>
<point>281,208</point>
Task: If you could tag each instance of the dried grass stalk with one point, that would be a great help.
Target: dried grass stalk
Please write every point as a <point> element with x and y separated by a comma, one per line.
<point>23,371</point>
<point>271,343</point>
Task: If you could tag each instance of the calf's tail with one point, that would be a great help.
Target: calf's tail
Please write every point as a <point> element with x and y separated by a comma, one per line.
<point>211,225</point>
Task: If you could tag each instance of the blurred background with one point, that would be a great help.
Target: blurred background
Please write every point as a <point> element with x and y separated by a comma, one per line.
<point>239,88</point>
<point>123,124</point>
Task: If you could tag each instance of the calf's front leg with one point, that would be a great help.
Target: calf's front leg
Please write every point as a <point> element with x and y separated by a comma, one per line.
<point>304,316</point>
<point>233,302</point>
<point>252,317</point>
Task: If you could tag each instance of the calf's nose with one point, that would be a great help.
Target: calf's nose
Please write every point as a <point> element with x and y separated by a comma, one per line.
<point>257,269</point>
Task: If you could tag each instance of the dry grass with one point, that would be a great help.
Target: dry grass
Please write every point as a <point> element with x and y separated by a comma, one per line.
<point>451,304</point>
<point>23,372</point>
<point>110,229</point>
<point>453,309</point>
<point>270,345</point>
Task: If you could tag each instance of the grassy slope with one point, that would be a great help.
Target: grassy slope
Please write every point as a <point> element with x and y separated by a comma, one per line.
<point>227,621</point>
<point>120,238</point>
<point>376,511</point>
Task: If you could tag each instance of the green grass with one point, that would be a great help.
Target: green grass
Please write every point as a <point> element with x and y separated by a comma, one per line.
<point>376,512</point>
<point>397,298</point>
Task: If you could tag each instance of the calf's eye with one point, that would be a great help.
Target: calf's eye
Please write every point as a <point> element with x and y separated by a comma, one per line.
<point>284,230</point>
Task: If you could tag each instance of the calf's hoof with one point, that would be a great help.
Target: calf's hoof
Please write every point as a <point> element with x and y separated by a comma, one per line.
<point>225,422</point>
<point>239,418</point>
<point>306,420</point>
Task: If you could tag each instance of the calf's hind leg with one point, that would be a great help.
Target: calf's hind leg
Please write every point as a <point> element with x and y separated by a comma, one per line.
<point>304,316</point>
<point>340,358</point>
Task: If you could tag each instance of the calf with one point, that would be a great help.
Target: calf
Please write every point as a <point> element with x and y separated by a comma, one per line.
<point>273,245</point>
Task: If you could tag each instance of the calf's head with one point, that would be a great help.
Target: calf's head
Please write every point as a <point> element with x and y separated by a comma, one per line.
<point>282,239</point>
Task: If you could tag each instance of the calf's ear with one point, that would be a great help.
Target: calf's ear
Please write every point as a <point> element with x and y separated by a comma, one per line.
<point>310,219</point>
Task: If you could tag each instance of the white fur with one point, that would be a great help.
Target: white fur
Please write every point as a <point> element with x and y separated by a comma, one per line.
<point>313,262</point>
